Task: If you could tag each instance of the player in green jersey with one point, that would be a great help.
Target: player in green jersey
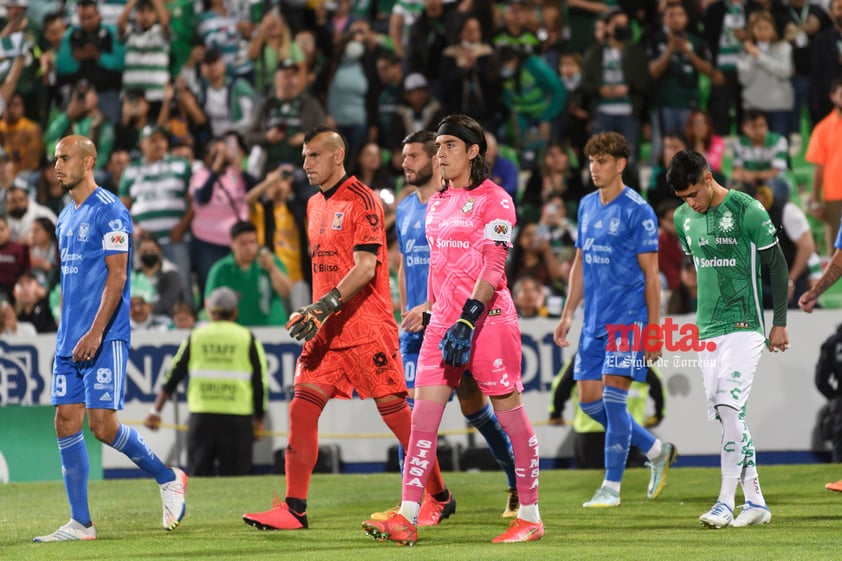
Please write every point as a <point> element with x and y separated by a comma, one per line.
<point>728,234</point>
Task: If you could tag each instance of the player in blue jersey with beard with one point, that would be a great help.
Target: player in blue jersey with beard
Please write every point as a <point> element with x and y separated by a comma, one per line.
<point>615,273</point>
<point>89,371</point>
<point>422,171</point>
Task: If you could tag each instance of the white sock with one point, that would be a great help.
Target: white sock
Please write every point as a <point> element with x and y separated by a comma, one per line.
<point>613,485</point>
<point>409,510</point>
<point>731,455</point>
<point>655,452</point>
<point>529,513</point>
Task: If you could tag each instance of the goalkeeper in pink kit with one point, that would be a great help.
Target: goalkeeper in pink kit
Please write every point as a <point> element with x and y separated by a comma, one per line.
<point>473,325</point>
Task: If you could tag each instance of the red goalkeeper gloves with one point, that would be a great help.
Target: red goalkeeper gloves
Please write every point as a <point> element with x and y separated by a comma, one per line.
<point>306,322</point>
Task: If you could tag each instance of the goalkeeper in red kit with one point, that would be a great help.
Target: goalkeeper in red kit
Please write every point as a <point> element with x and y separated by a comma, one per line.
<point>350,334</point>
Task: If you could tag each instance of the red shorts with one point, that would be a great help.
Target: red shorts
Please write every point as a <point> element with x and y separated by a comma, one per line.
<point>369,369</point>
<point>494,361</point>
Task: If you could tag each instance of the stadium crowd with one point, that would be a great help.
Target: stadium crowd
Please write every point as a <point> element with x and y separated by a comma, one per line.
<point>199,111</point>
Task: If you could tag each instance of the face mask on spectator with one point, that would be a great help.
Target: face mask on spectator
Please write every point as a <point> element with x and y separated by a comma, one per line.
<point>621,32</point>
<point>354,50</point>
<point>571,82</point>
<point>150,259</point>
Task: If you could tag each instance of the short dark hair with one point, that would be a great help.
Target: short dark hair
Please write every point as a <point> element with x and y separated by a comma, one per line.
<point>835,84</point>
<point>610,143</point>
<point>427,138</point>
<point>50,18</point>
<point>686,168</point>
<point>751,115</point>
<point>86,3</point>
<point>321,129</point>
<point>242,227</point>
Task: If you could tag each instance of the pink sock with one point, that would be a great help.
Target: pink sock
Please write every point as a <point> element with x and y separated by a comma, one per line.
<point>525,446</point>
<point>421,452</point>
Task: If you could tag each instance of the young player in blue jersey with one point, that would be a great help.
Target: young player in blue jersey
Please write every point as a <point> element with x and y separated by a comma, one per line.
<point>422,171</point>
<point>615,273</point>
<point>89,371</point>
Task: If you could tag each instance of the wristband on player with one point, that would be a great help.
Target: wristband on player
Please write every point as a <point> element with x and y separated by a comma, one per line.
<point>156,412</point>
<point>471,312</point>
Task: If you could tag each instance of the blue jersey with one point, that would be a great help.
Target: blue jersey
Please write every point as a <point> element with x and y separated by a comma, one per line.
<point>610,238</point>
<point>415,251</point>
<point>100,227</point>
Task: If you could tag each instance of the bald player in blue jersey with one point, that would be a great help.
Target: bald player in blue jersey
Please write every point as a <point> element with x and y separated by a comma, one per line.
<point>89,371</point>
<point>422,171</point>
<point>615,273</point>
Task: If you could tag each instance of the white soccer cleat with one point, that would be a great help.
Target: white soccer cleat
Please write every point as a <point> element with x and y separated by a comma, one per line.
<point>658,470</point>
<point>603,498</point>
<point>172,498</point>
<point>72,531</point>
<point>719,516</point>
<point>752,514</point>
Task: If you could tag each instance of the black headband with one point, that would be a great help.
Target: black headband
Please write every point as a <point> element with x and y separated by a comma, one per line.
<point>462,133</point>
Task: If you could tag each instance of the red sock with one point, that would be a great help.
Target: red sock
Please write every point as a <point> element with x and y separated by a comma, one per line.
<point>525,446</point>
<point>303,443</point>
<point>398,417</point>
<point>421,452</point>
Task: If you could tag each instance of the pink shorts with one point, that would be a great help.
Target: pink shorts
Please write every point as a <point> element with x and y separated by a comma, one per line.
<point>494,361</point>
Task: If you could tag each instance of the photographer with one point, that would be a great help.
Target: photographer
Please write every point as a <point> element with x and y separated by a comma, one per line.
<point>82,116</point>
<point>218,191</point>
<point>283,117</point>
<point>92,51</point>
<point>676,60</point>
<point>135,116</point>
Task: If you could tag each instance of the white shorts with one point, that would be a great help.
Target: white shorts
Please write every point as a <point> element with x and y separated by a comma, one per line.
<point>728,371</point>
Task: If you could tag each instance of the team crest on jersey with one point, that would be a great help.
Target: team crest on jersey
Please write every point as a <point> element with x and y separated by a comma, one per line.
<point>468,206</point>
<point>726,223</point>
<point>83,232</point>
<point>116,224</point>
<point>649,226</point>
<point>614,226</point>
<point>338,217</point>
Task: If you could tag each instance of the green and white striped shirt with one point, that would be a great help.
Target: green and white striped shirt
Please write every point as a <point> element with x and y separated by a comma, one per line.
<point>147,61</point>
<point>771,155</point>
<point>729,46</point>
<point>158,191</point>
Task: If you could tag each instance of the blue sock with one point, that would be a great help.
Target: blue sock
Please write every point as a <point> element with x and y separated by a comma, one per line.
<point>595,410</point>
<point>640,437</point>
<point>132,445</point>
<point>74,470</point>
<point>485,421</point>
<point>617,433</point>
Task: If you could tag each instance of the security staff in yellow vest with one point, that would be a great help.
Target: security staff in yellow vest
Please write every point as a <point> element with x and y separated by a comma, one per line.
<point>589,439</point>
<point>227,391</point>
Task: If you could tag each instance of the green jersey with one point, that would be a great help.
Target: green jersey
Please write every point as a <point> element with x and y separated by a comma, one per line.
<point>724,243</point>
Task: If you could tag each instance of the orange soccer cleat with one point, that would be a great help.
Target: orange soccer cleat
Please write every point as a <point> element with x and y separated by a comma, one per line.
<point>395,528</point>
<point>279,517</point>
<point>521,530</point>
<point>432,511</point>
<point>837,486</point>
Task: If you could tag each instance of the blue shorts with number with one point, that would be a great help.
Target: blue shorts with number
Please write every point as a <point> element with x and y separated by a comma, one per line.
<point>98,382</point>
<point>593,359</point>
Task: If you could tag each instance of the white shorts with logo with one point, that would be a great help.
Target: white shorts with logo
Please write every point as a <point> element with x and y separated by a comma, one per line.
<point>728,371</point>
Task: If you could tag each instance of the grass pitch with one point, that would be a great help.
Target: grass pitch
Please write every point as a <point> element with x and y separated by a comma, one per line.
<point>127,513</point>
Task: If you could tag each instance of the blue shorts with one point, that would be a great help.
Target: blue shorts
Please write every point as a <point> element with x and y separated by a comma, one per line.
<point>593,359</point>
<point>100,382</point>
